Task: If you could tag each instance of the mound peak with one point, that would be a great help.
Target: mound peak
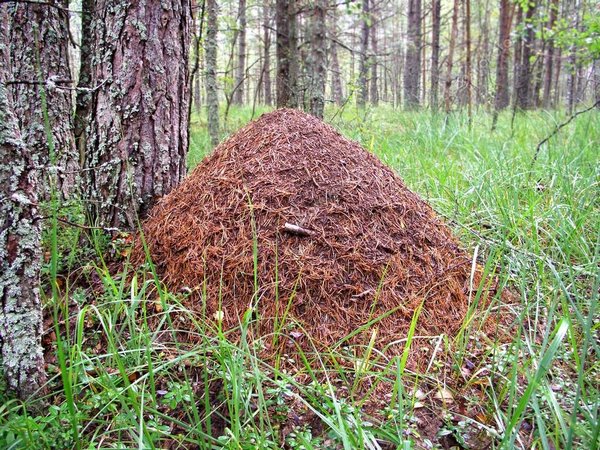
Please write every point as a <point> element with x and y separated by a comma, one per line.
<point>369,250</point>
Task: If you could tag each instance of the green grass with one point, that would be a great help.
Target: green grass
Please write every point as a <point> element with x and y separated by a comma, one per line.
<point>122,378</point>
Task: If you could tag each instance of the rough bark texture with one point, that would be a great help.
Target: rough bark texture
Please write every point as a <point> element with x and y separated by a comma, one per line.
<point>240,74</point>
<point>137,146</point>
<point>436,6</point>
<point>84,94</point>
<point>40,31</point>
<point>502,97</point>
<point>287,59</point>
<point>468,68</point>
<point>212,95</point>
<point>363,66</point>
<point>412,69</point>
<point>20,247</point>
<point>317,60</point>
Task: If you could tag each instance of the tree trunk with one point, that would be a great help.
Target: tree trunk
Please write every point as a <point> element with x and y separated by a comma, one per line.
<point>523,70</point>
<point>468,69</point>
<point>596,70</point>
<point>318,59</point>
<point>436,6</point>
<point>363,66</point>
<point>373,62</point>
<point>20,245</point>
<point>267,54</point>
<point>336,81</point>
<point>210,51</point>
<point>287,59</point>
<point>502,98</point>
<point>549,57</point>
<point>83,99</point>
<point>238,97</point>
<point>412,69</point>
<point>40,31</point>
<point>138,141</point>
<point>450,60</point>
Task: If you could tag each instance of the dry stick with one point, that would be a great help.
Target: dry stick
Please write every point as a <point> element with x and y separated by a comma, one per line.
<point>297,230</point>
<point>557,129</point>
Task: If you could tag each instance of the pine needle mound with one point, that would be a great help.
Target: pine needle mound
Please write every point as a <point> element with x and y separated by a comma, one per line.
<point>369,250</point>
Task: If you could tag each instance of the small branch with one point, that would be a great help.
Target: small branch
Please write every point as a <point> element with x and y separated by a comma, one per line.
<point>83,227</point>
<point>557,129</point>
<point>297,230</point>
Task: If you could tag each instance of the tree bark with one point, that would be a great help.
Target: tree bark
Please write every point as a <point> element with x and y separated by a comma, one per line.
<point>450,60</point>
<point>412,69</point>
<point>363,65</point>
<point>502,98</point>
<point>267,54</point>
<point>549,57</point>
<point>436,6</point>
<point>39,51</point>
<point>523,71</point>
<point>374,91</point>
<point>238,97</point>
<point>317,59</point>
<point>20,245</point>
<point>138,141</point>
<point>468,68</point>
<point>83,99</point>
<point>287,59</point>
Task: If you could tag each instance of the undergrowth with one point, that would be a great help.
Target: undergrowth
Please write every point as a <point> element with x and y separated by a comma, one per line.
<point>121,375</point>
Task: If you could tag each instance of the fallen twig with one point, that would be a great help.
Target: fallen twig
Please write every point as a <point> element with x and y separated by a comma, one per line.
<point>297,230</point>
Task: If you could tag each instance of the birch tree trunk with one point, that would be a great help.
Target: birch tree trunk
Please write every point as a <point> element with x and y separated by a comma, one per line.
<point>20,246</point>
<point>137,147</point>
<point>38,36</point>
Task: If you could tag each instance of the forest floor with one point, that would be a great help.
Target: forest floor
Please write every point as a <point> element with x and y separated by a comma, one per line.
<point>120,378</point>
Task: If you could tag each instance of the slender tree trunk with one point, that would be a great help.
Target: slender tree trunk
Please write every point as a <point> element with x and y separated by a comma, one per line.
<point>413,56</point>
<point>267,54</point>
<point>212,92</point>
<point>373,61</point>
<point>436,6</point>
<point>549,57</point>
<point>502,97</point>
<point>468,69</point>
<point>287,59</point>
<point>238,97</point>
<point>39,50</point>
<point>523,82</point>
<point>518,55</point>
<point>137,147</point>
<point>363,65</point>
<point>336,82</point>
<point>20,245</point>
<point>317,59</point>
<point>596,70</point>
<point>483,57</point>
<point>450,60</point>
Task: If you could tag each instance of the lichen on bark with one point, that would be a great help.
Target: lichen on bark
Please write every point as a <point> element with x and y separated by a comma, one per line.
<point>138,135</point>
